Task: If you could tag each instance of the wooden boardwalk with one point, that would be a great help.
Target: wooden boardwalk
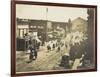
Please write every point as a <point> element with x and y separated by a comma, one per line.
<point>45,61</point>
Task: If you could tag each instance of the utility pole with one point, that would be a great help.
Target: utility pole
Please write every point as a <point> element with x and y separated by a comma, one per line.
<point>46,24</point>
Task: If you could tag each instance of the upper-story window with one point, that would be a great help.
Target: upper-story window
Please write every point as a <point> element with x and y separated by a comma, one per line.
<point>40,27</point>
<point>33,26</point>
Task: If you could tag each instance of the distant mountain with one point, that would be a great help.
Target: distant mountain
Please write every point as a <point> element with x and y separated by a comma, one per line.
<point>79,24</point>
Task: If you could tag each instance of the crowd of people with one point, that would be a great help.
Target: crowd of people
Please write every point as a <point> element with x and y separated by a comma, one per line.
<point>78,48</point>
<point>73,43</point>
<point>32,44</point>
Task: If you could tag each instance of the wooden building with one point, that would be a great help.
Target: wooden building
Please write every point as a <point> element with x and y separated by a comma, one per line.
<point>42,27</point>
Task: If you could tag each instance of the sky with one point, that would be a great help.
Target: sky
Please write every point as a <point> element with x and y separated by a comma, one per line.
<point>54,13</point>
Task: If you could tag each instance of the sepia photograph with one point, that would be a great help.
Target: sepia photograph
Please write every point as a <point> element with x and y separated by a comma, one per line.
<point>54,38</point>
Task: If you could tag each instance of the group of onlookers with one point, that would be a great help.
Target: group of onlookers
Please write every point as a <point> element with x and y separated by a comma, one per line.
<point>77,48</point>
